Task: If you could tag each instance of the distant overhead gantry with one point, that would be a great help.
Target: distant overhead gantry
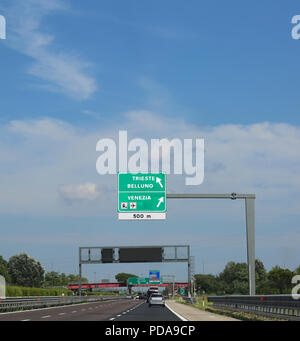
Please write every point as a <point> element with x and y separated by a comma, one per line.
<point>134,254</point>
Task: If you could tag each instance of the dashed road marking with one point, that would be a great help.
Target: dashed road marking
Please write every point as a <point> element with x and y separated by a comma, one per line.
<point>125,312</point>
<point>44,317</point>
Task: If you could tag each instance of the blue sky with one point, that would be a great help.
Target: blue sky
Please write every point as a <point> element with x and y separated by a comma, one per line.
<point>72,72</point>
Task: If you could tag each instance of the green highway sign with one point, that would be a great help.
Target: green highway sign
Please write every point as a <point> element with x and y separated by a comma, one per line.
<point>129,182</point>
<point>142,202</point>
<point>142,196</point>
<point>138,281</point>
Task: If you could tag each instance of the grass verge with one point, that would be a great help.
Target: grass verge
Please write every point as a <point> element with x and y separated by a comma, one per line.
<point>234,314</point>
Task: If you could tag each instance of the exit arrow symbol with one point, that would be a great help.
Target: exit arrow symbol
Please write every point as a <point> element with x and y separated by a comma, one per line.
<point>158,180</point>
<point>160,201</point>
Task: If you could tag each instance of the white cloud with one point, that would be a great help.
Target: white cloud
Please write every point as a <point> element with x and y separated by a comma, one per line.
<point>38,156</point>
<point>48,168</point>
<point>88,112</point>
<point>42,128</point>
<point>61,71</point>
<point>79,192</point>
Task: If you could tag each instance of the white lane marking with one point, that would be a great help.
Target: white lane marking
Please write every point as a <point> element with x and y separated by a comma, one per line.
<point>74,311</point>
<point>54,307</point>
<point>62,314</point>
<point>174,312</point>
<point>128,310</point>
<point>26,320</point>
<point>44,317</point>
<point>113,318</point>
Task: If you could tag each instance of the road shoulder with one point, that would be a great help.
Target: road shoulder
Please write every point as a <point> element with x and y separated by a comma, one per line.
<point>190,313</point>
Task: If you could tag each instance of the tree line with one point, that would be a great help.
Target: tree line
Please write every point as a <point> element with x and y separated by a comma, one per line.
<point>24,271</point>
<point>234,280</point>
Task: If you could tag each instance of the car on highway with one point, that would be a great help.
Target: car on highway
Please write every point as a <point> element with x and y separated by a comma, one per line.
<point>141,296</point>
<point>151,291</point>
<point>156,299</point>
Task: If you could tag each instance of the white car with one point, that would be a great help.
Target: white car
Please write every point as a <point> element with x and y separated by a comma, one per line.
<point>156,299</point>
<point>152,290</point>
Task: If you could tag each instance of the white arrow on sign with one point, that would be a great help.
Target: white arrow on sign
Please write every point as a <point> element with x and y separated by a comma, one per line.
<point>159,181</point>
<point>160,201</point>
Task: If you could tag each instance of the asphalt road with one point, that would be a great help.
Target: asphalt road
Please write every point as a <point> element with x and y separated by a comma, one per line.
<point>118,310</point>
<point>142,312</point>
<point>96,311</point>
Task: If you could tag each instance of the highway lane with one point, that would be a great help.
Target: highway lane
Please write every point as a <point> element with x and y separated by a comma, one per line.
<point>142,312</point>
<point>96,311</point>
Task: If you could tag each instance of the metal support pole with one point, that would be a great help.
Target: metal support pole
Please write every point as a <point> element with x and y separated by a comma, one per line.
<point>189,272</point>
<point>79,280</point>
<point>173,291</point>
<point>250,227</point>
<point>250,219</point>
<point>172,282</point>
<point>79,284</point>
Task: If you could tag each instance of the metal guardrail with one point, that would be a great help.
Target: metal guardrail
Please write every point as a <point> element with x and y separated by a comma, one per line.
<point>279,306</point>
<point>191,300</point>
<point>35,302</point>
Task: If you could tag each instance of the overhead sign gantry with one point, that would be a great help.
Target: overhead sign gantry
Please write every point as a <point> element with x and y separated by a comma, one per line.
<point>250,224</point>
<point>134,254</point>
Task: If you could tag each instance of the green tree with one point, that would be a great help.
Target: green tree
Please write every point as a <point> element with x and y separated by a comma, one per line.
<point>3,262</point>
<point>234,278</point>
<point>297,270</point>
<point>64,280</point>
<point>4,273</point>
<point>207,283</point>
<point>240,287</point>
<point>25,271</point>
<point>260,271</point>
<point>75,279</point>
<point>261,276</point>
<point>281,279</point>
<point>55,279</point>
<point>52,279</point>
<point>3,269</point>
<point>122,276</point>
